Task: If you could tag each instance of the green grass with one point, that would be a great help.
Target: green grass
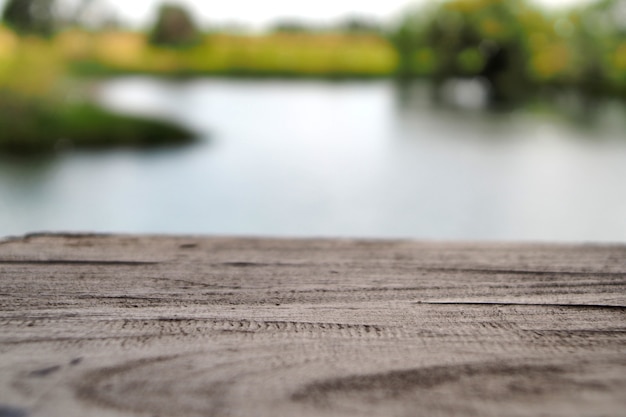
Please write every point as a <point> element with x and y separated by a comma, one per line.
<point>291,56</point>
<point>30,126</point>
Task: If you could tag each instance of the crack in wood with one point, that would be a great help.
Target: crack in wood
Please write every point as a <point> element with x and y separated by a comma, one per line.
<point>524,272</point>
<point>74,262</point>
<point>510,304</point>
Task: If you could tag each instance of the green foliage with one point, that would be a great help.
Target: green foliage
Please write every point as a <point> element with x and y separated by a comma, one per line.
<point>174,27</point>
<point>408,38</point>
<point>599,37</point>
<point>30,16</point>
<point>515,47</point>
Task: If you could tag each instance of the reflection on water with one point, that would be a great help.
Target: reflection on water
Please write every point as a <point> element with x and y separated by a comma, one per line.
<point>312,158</point>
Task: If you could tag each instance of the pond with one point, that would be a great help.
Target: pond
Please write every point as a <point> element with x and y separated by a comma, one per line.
<point>320,158</point>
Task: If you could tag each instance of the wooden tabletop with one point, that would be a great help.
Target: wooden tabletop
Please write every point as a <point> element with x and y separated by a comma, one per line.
<point>95,325</point>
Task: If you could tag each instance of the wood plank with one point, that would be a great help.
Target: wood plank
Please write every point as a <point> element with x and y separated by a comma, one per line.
<point>96,325</point>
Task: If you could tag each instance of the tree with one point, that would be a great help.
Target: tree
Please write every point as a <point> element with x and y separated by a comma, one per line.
<point>174,27</point>
<point>600,40</point>
<point>30,16</point>
<point>407,37</point>
<point>465,39</point>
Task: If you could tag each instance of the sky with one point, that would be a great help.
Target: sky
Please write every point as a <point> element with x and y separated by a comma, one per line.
<point>256,14</point>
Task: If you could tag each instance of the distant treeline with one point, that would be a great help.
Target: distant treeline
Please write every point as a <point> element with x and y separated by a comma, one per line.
<point>516,48</point>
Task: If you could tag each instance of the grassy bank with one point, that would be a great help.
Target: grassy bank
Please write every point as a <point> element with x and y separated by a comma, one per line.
<point>272,55</point>
<point>33,126</point>
<point>36,114</point>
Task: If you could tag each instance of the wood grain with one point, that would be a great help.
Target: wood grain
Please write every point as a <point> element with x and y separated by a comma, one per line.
<point>96,325</point>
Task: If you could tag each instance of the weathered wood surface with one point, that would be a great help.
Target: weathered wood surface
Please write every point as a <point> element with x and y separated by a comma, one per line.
<point>181,326</point>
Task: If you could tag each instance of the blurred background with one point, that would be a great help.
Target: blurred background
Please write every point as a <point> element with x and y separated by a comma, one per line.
<point>447,120</point>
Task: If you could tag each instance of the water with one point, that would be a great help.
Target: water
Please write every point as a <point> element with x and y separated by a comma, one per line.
<point>314,158</point>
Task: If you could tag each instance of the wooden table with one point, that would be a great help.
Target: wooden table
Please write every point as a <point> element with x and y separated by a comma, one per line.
<point>97,325</point>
